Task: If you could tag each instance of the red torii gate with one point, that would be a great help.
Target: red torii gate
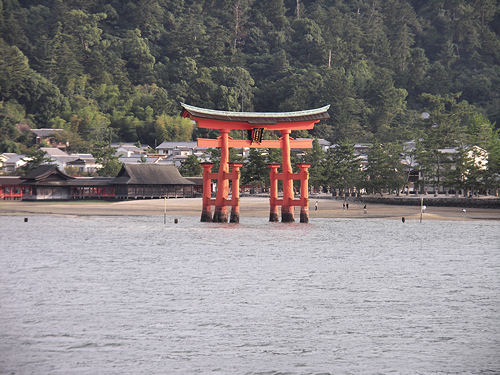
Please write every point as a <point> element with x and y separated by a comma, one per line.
<point>255,123</point>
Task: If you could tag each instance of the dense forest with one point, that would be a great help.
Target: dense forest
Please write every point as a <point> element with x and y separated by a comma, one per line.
<point>392,70</point>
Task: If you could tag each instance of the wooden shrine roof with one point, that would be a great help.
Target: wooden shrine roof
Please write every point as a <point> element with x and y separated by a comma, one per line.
<point>150,174</point>
<point>45,172</point>
<point>257,117</point>
<point>10,180</point>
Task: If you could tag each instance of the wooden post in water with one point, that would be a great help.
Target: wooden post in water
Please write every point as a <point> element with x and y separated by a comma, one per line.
<point>206,213</point>
<point>287,214</point>
<point>165,211</point>
<point>273,192</point>
<point>304,192</point>
<point>235,192</point>
<point>421,207</point>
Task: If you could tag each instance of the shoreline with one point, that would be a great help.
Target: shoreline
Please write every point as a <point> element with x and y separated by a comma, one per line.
<point>249,207</point>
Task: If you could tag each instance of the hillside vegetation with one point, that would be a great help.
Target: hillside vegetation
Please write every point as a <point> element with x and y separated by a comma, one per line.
<point>117,70</point>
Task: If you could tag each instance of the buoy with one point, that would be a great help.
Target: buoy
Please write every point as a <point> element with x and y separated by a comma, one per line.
<point>403,219</point>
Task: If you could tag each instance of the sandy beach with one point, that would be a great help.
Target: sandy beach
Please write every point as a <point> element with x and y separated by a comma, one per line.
<point>250,207</point>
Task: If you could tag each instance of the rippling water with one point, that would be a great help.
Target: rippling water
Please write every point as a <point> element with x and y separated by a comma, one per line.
<point>130,295</point>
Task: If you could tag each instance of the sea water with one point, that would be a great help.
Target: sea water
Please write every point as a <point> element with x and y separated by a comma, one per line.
<point>132,295</point>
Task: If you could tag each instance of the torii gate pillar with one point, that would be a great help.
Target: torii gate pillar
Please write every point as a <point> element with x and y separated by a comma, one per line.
<point>221,202</point>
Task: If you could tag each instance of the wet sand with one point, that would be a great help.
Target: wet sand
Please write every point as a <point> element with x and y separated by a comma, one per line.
<point>249,207</point>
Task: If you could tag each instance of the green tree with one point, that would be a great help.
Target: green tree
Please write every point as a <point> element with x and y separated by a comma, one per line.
<point>384,169</point>
<point>444,126</point>
<point>308,45</point>
<point>140,61</point>
<point>173,128</point>
<point>342,168</point>
<point>255,171</point>
<point>11,113</point>
<point>315,157</point>
<point>191,167</point>
<point>104,154</point>
<point>34,157</point>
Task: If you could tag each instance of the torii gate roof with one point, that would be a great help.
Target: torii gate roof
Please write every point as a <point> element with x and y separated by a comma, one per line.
<point>258,118</point>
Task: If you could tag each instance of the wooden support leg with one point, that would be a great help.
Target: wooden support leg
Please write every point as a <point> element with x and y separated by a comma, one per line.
<point>206,212</point>
<point>220,214</point>
<point>235,204</point>
<point>304,192</point>
<point>273,193</point>
<point>287,208</point>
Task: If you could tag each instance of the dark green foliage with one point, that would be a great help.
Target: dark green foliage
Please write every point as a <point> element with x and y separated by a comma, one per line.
<point>385,170</point>
<point>191,167</point>
<point>255,170</point>
<point>315,157</point>
<point>105,155</point>
<point>91,66</point>
<point>35,158</point>
<point>342,167</point>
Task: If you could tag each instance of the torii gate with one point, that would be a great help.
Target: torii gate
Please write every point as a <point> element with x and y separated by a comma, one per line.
<point>255,123</point>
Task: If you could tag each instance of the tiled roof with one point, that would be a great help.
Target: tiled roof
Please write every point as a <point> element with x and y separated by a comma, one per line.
<point>258,117</point>
<point>166,145</point>
<point>46,132</point>
<point>10,180</point>
<point>44,171</point>
<point>151,174</point>
<point>54,151</point>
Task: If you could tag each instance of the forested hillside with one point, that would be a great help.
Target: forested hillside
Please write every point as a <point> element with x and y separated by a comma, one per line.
<point>117,70</point>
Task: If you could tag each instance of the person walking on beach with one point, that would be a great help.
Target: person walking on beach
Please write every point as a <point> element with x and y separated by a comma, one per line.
<point>343,206</point>
<point>347,206</point>
<point>364,209</point>
<point>316,206</point>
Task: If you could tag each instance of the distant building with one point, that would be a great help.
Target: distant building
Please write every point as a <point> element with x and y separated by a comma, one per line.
<point>325,145</point>
<point>10,162</point>
<point>84,163</point>
<point>177,148</point>
<point>129,150</point>
<point>151,181</point>
<point>479,156</point>
<point>48,136</point>
<point>360,151</point>
<point>11,187</point>
<point>141,181</point>
<point>177,152</point>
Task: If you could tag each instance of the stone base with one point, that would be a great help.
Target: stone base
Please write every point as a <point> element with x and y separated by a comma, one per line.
<point>273,217</point>
<point>206,217</point>
<point>287,217</point>
<point>304,217</point>
<point>220,217</point>
<point>235,217</point>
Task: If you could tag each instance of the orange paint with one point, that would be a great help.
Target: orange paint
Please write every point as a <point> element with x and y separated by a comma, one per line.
<point>304,192</point>
<point>206,213</point>
<point>273,192</point>
<point>235,191</point>
<point>220,214</point>
<point>237,125</point>
<point>288,195</point>
<point>242,143</point>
